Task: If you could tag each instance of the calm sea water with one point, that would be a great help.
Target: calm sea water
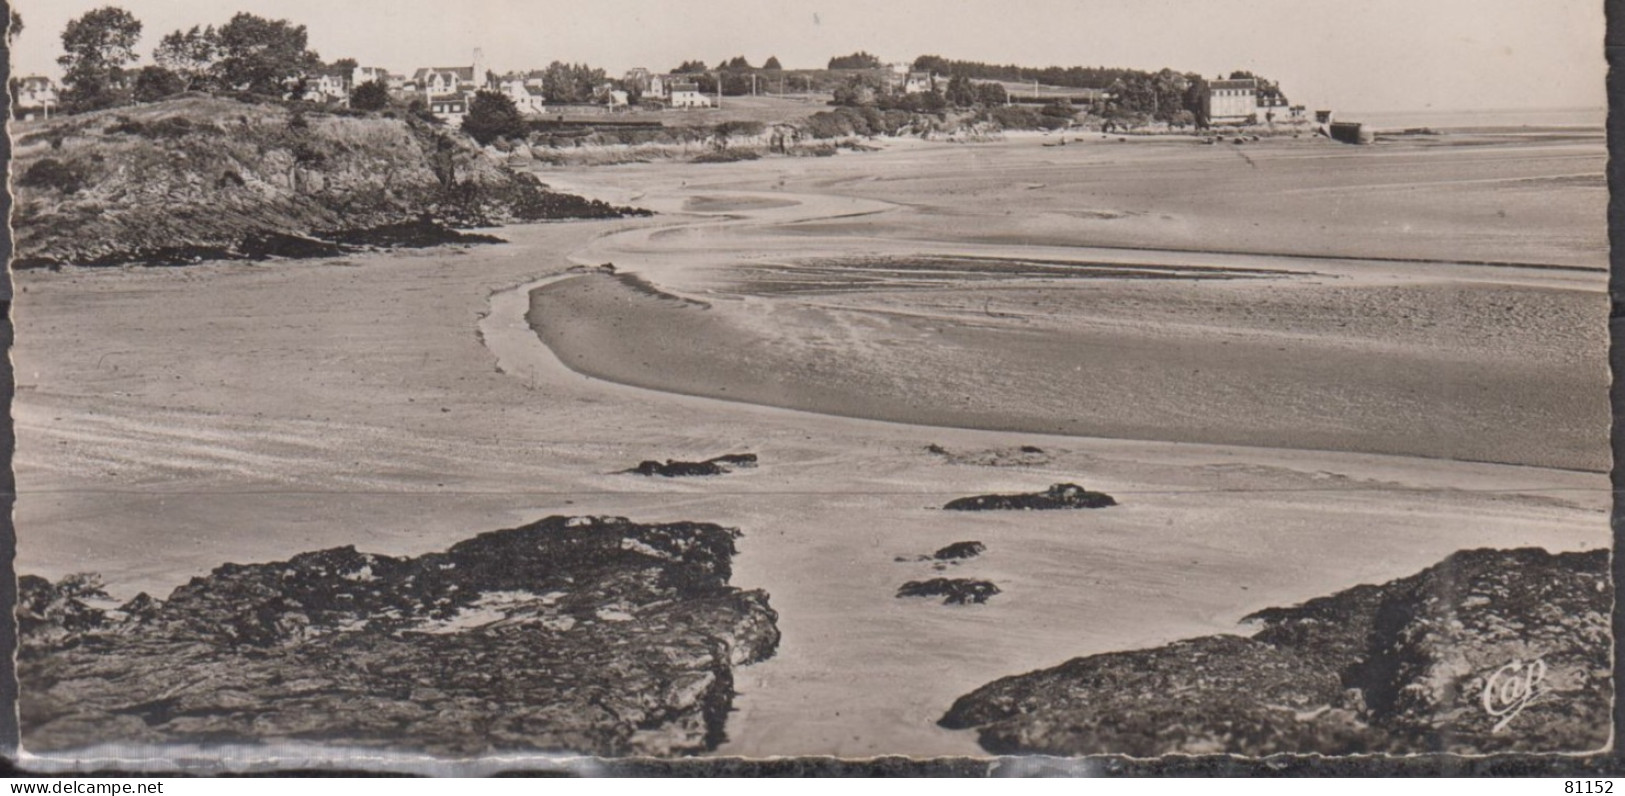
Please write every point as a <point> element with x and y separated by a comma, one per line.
<point>1448,120</point>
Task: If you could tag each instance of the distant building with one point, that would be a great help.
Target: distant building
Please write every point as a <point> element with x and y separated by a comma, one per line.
<point>1231,100</point>
<point>450,108</point>
<point>329,85</point>
<point>919,83</point>
<point>529,99</point>
<point>35,96</point>
<point>686,94</point>
<point>434,80</point>
<point>372,74</point>
<point>644,82</point>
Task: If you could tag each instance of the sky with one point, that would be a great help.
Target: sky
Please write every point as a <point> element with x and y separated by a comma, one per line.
<point>1387,55</point>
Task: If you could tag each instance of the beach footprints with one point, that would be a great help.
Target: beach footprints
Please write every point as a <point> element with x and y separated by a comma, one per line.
<point>674,468</point>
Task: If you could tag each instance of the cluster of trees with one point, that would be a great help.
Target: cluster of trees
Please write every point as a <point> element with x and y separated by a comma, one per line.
<point>569,83</point>
<point>857,60</point>
<point>738,76</point>
<point>960,92</point>
<point>1098,77</point>
<point>248,53</point>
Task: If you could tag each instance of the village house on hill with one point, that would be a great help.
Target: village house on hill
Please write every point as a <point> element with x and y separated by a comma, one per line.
<point>329,85</point>
<point>919,83</point>
<point>34,96</point>
<point>687,94</point>
<point>526,92</point>
<point>447,90</point>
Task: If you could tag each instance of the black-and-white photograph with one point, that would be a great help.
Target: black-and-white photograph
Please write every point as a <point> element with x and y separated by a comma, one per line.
<point>403,384</point>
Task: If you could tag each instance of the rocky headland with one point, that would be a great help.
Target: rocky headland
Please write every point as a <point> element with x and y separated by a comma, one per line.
<point>1487,651</point>
<point>206,178</point>
<point>589,635</point>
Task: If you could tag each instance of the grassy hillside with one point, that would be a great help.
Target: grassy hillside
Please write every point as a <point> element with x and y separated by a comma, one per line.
<point>204,178</point>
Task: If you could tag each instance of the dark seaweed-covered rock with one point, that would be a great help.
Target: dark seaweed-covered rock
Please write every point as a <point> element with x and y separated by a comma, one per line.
<point>673,468</point>
<point>581,635</point>
<point>1488,651</point>
<point>1021,456</point>
<point>959,550</point>
<point>953,591</point>
<point>419,234</point>
<point>1058,496</point>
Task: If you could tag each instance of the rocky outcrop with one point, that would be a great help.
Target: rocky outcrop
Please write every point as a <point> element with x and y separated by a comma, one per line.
<point>1488,651</point>
<point>953,591</point>
<point>673,468</point>
<point>1020,456</point>
<point>582,635</point>
<point>1058,496</point>
<point>210,178</point>
<point>959,550</point>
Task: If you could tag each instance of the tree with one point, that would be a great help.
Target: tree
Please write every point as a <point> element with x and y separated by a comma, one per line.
<point>991,94</point>
<point>857,60</point>
<point>16,26</point>
<point>348,65</point>
<point>372,95</point>
<point>691,68</point>
<point>262,55</point>
<point>491,116</point>
<point>98,46</point>
<point>154,83</point>
<point>189,54</point>
<point>934,64</point>
<point>772,64</point>
<point>961,93</point>
<point>858,90</point>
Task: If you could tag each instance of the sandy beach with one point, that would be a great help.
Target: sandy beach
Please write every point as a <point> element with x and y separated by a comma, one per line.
<point>1405,359</point>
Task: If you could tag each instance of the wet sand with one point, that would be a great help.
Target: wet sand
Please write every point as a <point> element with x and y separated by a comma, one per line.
<point>1416,352</point>
<point>172,420</point>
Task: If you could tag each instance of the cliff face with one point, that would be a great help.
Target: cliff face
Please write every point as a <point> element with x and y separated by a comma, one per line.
<point>578,635</point>
<point>202,177</point>
<point>1487,651</point>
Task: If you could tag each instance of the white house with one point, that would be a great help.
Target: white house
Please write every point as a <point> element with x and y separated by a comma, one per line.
<point>329,85</point>
<point>436,80</point>
<point>528,98</point>
<point>919,83</point>
<point>686,94</point>
<point>370,74</point>
<point>1231,100</point>
<point>450,108</point>
<point>36,95</point>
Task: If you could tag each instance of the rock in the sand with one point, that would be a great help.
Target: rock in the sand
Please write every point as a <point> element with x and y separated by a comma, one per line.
<point>590,635</point>
<point>959,550</point>
<point>953,591</point>
<point>1021,456</point>
<point>673,468</point>
<point>1058,496</point>
<point>1488,651</point>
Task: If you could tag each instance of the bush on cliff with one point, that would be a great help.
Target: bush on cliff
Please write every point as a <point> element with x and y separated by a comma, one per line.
<point>52,174</point>
<point>492,116</point>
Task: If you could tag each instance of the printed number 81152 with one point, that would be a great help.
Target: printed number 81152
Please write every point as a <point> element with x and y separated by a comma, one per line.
<point>1588,786</point>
